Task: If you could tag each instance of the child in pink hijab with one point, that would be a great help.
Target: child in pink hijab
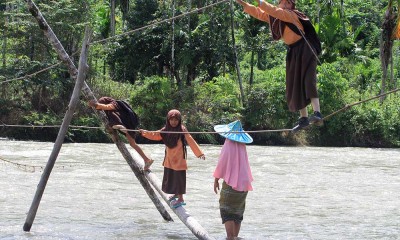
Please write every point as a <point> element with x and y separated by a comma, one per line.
<point>234,168</point>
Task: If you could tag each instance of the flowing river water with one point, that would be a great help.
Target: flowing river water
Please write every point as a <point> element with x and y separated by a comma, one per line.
<point>299,193</point>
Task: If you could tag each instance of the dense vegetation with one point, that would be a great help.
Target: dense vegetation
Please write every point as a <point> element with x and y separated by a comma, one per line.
<point>190,64</point>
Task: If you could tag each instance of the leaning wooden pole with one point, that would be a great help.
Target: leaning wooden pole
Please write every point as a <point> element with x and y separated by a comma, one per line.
<point>183,215</point>
<point>33,9</point>
<point>181,212</point>
<point>135,166</point>
<point>82,70</point>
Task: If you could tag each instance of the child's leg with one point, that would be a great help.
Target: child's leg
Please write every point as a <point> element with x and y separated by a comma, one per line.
<point>303,112</point>
<point>316,118</point>
<point>230,229</point>
<point>315,104</point>
<point>237,229</point>
<point>303,120</point>
<point>180,197</point>
<point>178,202</point>
<point>133,144</point>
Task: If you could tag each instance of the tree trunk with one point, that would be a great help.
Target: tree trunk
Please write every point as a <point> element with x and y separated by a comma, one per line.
<point>4,49</point>
<point>32,49</point>
<point>342,17</point>
<point>189,70</point>
<point>318,11</point>
<point>251,68</point>
<point>392,83</point>
<point>173,71</point>
<point>112,33</point>
<point>112,18</point>
<point>242,99</point>
<point>386,45</point>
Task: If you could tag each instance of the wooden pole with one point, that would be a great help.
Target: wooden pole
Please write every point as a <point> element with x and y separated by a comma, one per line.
<point>33,9</point>
<point>181,212</point>
<point>135,166</point>
<point>62,132</point>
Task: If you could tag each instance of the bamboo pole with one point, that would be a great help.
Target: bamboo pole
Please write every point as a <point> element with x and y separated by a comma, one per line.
<point>33,9</point>
<point>62,132</point>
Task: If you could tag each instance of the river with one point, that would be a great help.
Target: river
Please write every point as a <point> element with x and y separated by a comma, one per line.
<point>299,193</point>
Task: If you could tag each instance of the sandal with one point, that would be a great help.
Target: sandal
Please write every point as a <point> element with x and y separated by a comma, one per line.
<point>172,198</point>
<point>148,164</point>
<point>176,204</point>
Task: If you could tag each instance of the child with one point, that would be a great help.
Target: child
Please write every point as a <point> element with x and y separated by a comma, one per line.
<point>175,166</point>
<point>233,166</point>
<point>121,116</point>
<point>301,62</point>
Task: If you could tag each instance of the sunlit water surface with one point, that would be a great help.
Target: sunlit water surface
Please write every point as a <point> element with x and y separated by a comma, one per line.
<point>299,193</point>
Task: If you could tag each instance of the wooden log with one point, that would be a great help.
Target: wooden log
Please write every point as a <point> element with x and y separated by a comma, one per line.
<point>181,212</point>
<point>83,68</point>
<point>33,9</point>
<point>135,166</point>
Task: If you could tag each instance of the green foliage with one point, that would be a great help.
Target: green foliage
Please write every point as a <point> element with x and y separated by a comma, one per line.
<point>101,20</point>
<point>332,87</point>
<point>215,102</point>
<point>138,67</point>
<point>38,119</point>
<point>266,107</point>
<point>224,101</point>
<point>84,134</point>
<point>374,124</point>
<point>152,100</point>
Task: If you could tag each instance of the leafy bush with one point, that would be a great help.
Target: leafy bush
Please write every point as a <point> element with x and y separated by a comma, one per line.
<point>215,102</point>
<point>266,107</point>
<point>152,100</point>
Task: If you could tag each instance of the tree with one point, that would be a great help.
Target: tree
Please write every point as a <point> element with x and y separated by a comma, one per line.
<point>386,43</point>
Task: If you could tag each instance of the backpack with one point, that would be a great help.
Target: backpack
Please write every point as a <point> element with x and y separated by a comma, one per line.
<point>310,34</point>
<point>130,119</point>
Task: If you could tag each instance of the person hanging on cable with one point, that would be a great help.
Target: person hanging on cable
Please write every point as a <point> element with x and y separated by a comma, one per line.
<point>121,117</point>
<point>297,32</point>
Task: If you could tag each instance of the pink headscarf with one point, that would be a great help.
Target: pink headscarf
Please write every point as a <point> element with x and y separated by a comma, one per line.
<point>233,166</point>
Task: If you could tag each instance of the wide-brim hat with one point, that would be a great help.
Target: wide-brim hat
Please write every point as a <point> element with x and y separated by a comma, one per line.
<point>233,131</point>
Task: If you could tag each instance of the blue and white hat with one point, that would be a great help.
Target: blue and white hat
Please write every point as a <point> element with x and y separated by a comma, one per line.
<point>233,131</point>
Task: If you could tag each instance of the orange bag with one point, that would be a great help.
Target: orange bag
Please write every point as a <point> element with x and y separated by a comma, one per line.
<point>396,32</point>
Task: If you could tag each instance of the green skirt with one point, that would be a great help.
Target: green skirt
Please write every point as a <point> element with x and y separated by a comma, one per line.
<point>232,204</point>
